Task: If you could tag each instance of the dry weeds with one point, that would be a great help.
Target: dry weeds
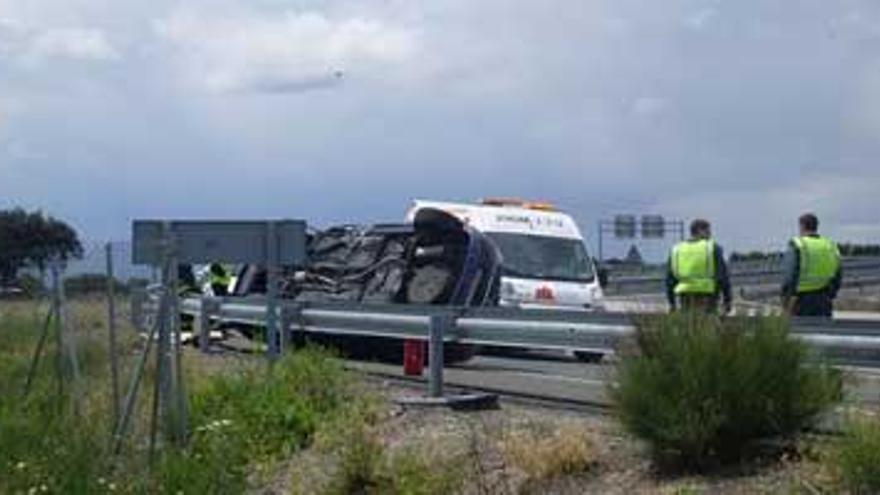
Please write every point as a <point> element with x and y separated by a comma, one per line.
<point>546,450</point>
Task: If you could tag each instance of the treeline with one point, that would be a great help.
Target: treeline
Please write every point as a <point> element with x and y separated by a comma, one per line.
<point>77,285</point>
<point>846,249</point>
<point>32,239</point>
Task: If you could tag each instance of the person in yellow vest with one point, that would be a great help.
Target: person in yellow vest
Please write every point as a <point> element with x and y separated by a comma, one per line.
<point>220,279</point>
<point>697,273</point>
<point>811,271</point>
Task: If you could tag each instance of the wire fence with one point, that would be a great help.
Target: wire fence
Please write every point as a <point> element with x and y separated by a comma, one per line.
<point>94,261</point>
<point>89,272</point>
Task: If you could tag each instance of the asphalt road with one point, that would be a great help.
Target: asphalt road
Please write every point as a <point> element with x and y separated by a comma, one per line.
<point>560,378</point>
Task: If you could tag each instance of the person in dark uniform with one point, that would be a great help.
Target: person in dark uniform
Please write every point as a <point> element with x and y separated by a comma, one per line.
<point>186,280</point>
<point>697,273</point>
<point>811,271</point>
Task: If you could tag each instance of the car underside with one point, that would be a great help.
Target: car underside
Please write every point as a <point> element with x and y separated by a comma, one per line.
<point>435,260</point>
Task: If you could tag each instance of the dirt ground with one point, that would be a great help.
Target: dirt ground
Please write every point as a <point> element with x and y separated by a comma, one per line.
<point>612,463</point>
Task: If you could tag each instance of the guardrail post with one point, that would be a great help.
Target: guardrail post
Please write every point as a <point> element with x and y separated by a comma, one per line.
<point>290,315</point>
<point>208,307</point>
<point>283,329</point>
<point>438,326</point>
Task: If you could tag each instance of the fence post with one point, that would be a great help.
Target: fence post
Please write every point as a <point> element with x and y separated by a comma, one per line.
<point>137,301</point>
<point>67,345</point>
<point>111,328</point>
<point>439,324</point>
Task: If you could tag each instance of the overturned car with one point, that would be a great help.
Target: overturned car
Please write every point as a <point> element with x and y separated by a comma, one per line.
<point>434,260</point>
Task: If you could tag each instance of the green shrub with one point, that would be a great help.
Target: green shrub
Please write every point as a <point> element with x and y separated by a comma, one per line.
<point>855,460</point>
<point>700,390</point>
<point>412,472</point>
<point>248,418</point>
<point>43,446</point>
<point>240,421</point>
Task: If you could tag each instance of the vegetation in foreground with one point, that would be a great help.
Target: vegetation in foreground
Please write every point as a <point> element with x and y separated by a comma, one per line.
<point>702,391</point>
<point>251,423</point>
<point>854,459</point>
<point>242,421</point>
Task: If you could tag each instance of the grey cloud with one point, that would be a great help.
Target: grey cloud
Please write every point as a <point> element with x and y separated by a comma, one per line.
<point>287,51</point>
<point>27,45</point>
<point>747,112</point>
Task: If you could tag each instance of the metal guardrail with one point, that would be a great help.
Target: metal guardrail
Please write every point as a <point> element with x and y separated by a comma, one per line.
<point>508,327</point>
<point>511,327</point>
<point>773,265</point>
<point>855,275</point>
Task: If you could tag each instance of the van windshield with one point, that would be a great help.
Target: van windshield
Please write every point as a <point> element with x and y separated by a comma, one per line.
<point>540,257</point>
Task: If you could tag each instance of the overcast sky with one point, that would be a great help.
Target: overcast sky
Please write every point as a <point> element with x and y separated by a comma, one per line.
<point>746,112</point>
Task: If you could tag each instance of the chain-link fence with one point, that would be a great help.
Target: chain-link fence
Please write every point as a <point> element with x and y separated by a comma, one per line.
<point>89,273</point>
<point>94,261</point>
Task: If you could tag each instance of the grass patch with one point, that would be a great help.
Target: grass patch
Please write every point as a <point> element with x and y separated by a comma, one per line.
<point>549,452</point>
<point>855,459</point>
<point>358,461</point>
<point>243,418</point>
<point>701,391</point>
<point>43,446</point>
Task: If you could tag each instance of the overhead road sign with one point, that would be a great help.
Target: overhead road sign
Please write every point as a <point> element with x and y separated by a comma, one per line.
<point>221,241</point>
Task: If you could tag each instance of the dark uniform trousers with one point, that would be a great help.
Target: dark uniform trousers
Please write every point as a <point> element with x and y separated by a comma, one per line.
<point>818,303</point>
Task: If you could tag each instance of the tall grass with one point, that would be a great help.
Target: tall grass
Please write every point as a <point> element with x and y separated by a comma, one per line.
<point>43,445</point>
<point>245,420</point>
<point>358,461</point>
<point>700,390</point>
<point>242,418</point>
<point>854,459</point>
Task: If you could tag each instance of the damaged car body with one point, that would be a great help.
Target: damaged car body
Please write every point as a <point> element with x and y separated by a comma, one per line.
<point>435,260</point>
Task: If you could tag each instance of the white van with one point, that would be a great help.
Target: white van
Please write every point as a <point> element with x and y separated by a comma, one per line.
<point>545,262</point>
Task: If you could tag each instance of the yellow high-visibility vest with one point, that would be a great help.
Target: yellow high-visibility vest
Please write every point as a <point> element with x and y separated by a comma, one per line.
<point>224,278</point>
<point>819,262</point>
<point>693,265</point>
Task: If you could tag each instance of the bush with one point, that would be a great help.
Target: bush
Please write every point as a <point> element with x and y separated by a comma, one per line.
<point>244,420</point>
<point>855,460</point>
<point>43,445</point>
<point>701,390</point>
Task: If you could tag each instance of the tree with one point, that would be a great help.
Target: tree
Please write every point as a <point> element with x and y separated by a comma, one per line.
<point>33,239</point>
